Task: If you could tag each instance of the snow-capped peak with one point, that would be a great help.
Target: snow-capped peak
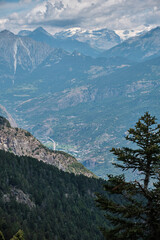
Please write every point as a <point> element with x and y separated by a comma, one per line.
<point>100,38</point>
<point>125,34</point>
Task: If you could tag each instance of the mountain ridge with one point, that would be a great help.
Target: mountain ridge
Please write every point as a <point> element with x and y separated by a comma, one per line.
<point>22,143</point>
<point>139,48</point>
<point>68,44</point>
<point>21,53</point>
<point>99,39</point>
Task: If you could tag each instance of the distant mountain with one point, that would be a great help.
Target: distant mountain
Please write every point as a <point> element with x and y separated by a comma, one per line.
<point>40,35</point>
<point>140,48</point>
<point>88,112</point>
<point>19,54</point>
<point>61,70</point>
<point>68,44</point>
<point>88,42</point>
<point>98,39</point>
<point>22,143</point>
<point>133,32</point>
<point>24,33</point>
<point>86,104</point>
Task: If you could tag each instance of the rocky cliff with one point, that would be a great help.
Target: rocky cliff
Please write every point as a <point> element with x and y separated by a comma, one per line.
<point>22,143</point>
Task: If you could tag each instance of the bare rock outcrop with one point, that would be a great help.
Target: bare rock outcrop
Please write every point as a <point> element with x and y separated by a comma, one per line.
<point>22,143</point>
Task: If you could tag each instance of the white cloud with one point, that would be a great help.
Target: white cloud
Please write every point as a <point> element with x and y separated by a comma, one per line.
<point>113,14</point>
<point>25,1</point>
<point>13,16</point>
<point>2,23</point>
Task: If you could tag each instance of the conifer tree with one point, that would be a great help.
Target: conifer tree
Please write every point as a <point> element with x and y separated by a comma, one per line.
<point>133,208</point>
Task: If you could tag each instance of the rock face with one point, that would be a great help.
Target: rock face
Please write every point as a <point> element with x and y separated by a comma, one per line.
<point>22,143</point>
<point>19,196</point>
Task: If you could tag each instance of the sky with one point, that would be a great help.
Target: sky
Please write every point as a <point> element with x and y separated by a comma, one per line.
<point>58,15</point>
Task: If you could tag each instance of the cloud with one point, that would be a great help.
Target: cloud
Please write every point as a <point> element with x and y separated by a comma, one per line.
<point>113,14</point>
<point>25,1</point>
<point>59,5</point>
<point>62,23</point>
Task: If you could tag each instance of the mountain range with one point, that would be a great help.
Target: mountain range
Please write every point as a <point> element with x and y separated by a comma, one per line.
<point>85,104</point>
<point>101,39</point>
<point>86,42</point>
<point>139,48</point>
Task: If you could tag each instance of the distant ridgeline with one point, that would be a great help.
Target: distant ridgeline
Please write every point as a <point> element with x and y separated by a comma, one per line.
<point>45,202</point>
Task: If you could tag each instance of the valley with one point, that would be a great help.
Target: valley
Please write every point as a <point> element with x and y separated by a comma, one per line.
<point>85,104</point>
<point>79,120</point>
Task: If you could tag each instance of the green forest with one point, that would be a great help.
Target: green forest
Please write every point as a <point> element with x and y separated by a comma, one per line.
<point>39,201</point>
<point>59,205</point>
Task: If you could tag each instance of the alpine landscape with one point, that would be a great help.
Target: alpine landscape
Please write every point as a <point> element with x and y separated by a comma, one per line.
<point>71,86</point>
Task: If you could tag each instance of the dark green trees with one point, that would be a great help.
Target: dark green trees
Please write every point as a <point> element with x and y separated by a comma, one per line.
<point>18,236</point>
<point>133,208</point>
<point>64,203</point>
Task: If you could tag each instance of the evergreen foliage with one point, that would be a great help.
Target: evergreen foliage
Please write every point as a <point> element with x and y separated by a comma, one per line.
<point>133,208</point>
<point>63,203</point>
<point>18,236</point>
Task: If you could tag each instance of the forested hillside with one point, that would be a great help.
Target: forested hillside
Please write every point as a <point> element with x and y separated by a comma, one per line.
<point>47,203</point>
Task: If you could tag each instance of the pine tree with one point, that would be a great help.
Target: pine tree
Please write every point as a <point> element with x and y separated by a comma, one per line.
<point>133,208</point>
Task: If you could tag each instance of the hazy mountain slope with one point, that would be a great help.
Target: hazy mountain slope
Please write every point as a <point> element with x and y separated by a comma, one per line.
<point>19,55</point>
<point>40,35</point>
<point>61,70</point>
<point>24,33</point>
<point>86,105</point>
<point>21,52</point>
<point>140,48</point>
<point>93,115</point>
<point>67,44</point>
<point>22,143</point>
<point>47,203</point>
<point>88,42</point>
<point>96,116</point>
